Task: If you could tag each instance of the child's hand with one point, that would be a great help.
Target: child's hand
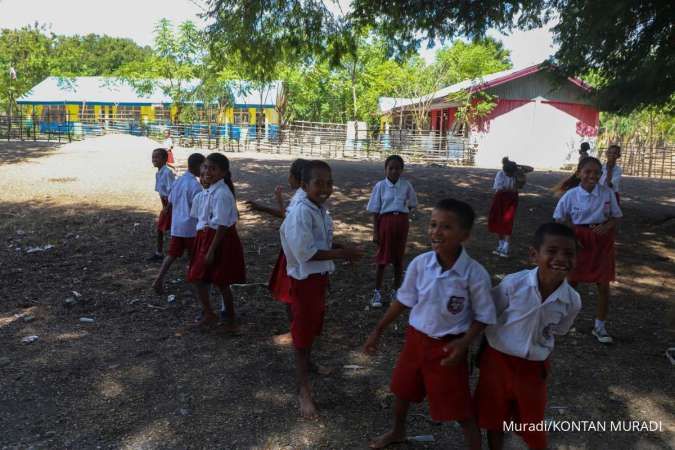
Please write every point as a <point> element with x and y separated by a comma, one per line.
<point>278,190</point>
<point>370,347</point>
<point>352,254</point>
<point>376,237</point>
<point>457,352</point>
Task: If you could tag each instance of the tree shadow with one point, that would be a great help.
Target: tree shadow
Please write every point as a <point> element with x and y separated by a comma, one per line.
<point>15,152</point>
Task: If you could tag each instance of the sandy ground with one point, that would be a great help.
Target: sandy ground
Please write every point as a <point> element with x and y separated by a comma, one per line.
<point>127,381</point>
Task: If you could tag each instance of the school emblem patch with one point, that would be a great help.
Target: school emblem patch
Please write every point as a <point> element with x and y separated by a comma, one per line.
<point>455,304</point>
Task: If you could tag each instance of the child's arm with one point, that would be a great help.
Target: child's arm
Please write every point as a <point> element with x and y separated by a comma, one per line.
<point>566,322</point>
<point>394,310</point>
<point>375,206</point>
<point>280,199</point>
<point>266,209</point>
<point>376,231</point>
<point>458,348</point>
<point>342,252</point>
<point>217,239</point>
<point>614,212</point>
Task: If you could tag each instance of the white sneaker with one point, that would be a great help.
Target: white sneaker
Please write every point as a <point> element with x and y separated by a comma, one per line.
<point>602,336</point>
<point>376,301</point>
<point>499,248</point>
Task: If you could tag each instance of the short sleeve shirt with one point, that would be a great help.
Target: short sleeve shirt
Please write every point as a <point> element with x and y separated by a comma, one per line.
<point>588,208</point>
<point>390,197</point>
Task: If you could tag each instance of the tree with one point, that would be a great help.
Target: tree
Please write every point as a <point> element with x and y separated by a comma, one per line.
<point>629,43</point>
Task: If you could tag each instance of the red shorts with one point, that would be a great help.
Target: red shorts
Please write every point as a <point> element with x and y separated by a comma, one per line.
<point>178,245</point>
<point>595,257</point>
<point>503,212</point>
<point>228,266</point>
<point>419,373</point>
<point>392,235</point>
<point>512,388</point>
<point>308,304</point>
<point>280,283</point>
<point>164,219</point>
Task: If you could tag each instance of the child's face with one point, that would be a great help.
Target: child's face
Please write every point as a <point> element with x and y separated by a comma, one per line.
<point>613,154</point>
<point>158,159</point>
<point>589,175</point>
<point>320,187</point>
<point>202,176</point>
<point>555,257</point>
<point>446,232</point>
<point>393,171</point>
<point>213,172</point>
<point>293,182</point>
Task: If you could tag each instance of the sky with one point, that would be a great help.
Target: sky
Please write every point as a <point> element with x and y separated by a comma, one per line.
<point>136,19</point>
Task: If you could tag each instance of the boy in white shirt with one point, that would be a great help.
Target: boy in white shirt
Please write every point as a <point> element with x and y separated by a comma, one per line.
<point>164,178</point>
<point>183,227</point>
<point>448,294</point>
<point>307,241</point>
<point>532,307</point>
<point>611,171</point>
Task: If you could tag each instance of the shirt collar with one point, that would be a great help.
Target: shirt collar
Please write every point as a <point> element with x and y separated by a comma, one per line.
<point>560,294</point>
<point>311,204</point>
<point>459,267</point>
<point>595,192</point>
<point>389,183</point>
<point>215,186</point>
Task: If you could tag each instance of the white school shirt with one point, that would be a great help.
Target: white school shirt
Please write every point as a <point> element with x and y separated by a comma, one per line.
<point>616,177</point>
<point>526,325</point>
<point>306,229</point>
<point>181,197</point>
<point>446,302</point>
<point>168,143</point>
<point>217,207</point>
<point>298,195</point>
<point>197,205</point>
<point>392,197</point>
<point>503,181</point>
<point>588,208</point>
<point>163,180</point>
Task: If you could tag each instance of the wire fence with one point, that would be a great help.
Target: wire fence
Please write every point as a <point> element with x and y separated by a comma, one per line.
<point>650,161</point>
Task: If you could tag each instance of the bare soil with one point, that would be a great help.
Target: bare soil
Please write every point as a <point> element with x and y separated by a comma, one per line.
<point>127,381</point>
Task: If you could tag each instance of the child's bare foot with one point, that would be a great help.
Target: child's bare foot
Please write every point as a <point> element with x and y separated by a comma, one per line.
<point>158,286</point>
<point>283,339</point>
<point>308,409</point>
<point>387,439</point>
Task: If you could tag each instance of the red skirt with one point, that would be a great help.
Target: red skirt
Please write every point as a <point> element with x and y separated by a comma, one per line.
<point>503,212</point>
<point>595,257</point>
<point>392,233</point>
<point>308,307</point>
<point>280,283</point>
<point>228,266</point>
<point>169,157</point>
<point>179,245</point>
<point>164,219</point>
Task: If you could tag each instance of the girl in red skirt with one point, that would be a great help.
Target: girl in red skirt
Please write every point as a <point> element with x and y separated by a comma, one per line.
<point>164,178</point>
<point>392,200</point>
<point>592,209</point>
<point>218,256</point>
<point>504,205</point>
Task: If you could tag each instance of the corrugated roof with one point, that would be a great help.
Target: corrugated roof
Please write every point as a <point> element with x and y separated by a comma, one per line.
<point>111,90</point>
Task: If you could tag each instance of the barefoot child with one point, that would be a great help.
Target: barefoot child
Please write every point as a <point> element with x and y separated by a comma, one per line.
<point>532,307</point>
<point>593,210</point>
<point>218,256</point>
<point>390,203</point>
<point>164,178</point>
<point>504,206</point>
<point>183,226</point>
<point>307,241</point>
<point>448,294</point>
<point>611,171</point>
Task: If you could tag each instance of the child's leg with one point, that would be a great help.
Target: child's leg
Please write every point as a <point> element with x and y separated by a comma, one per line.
<point>603,301</point>
<point>495,440</point>
<point>228,305</point>
<point>471,433</point>
<point>397,433</point>
<point>158,284</point>
<point>160,242</point>
<point>308,408</point>
<point>379,276</point>
<point>398,275</point>
<point>203,295</point>
<point>289,313</point>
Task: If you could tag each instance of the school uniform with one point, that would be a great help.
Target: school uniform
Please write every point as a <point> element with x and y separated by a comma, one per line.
<point>586,210</point>
<point>214,208</point>
<point>279,283</point>
<point>615,179</point>
<point>168,145</point>
<point>307,229</point>
<point>183,225</point>
<point>443,306</point>
<point>164,179</point>
<point>504,205</point>
<point>515,362</point>
<point>392,203</point>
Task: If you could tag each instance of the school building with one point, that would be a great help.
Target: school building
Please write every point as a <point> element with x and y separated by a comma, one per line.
<point>539,118</point>
<point>92,105</point>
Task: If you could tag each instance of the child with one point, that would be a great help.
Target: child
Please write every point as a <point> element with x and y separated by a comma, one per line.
<point>593,210</point>
<point>532,307</point>
<point>583,150</point>
<point>168,144</point>
<point>391,202</point>
<point>504,206</point>
<point>164,178</point>
<point>307,242</point>
<point>611,171</point>
<point>449,296</point>
<point>218,256</point>
<point>294,175</point>
<point>183,226</point>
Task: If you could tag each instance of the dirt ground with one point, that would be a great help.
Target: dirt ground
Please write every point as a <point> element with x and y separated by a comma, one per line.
<point>126,381</point>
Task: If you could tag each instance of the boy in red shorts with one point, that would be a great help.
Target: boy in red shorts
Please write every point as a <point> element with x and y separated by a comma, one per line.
<point>448,294</point>
<point>532,307</point>
<point>183,227</point>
